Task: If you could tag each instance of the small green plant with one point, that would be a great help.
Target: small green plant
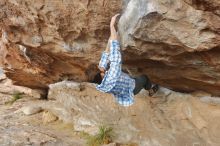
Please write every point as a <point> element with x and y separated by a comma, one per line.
<point>104,136</point>
<point>15,97</point>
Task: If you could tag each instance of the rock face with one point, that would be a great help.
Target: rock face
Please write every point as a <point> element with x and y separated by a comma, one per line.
<point>168,119</point>
<point>47,41</point>
<point>206,5</point>
<point>175,42</point>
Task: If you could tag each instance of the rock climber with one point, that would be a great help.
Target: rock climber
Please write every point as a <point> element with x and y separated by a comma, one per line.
<point>112,80</point>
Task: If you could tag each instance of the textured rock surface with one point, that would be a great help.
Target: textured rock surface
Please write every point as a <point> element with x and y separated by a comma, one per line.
<point>16,129</point>
<point>175,42</point>
<point>168,119</point>
<point>30,110</point>
<point>206,5</point>
<point>49,41</point>
<point>7,87</point>
<point>48,117</point>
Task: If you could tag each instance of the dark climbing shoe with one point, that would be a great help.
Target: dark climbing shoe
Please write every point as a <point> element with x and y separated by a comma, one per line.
<point>153,90</point>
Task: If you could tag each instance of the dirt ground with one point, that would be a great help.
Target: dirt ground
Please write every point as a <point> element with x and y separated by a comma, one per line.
<point>18,129</point>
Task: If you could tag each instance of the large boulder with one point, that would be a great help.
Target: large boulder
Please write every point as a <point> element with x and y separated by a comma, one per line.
<point>48,41</point>
<point>170,118</point>
<point>7,87</point>
<point>175,42</point>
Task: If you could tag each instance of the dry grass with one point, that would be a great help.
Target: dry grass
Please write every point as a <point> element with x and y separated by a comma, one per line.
<point>104,136</point>
<point>16,96</point>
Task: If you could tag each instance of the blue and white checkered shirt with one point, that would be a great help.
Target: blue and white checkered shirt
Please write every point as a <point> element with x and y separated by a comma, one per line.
<point>120,84</point>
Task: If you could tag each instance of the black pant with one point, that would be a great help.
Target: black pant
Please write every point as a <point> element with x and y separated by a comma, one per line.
<point>142,82</point>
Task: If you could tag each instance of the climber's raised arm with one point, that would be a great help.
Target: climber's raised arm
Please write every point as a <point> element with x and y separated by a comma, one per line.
<point>113,35</point>
<point>114,70</point>
<point>105,55</point>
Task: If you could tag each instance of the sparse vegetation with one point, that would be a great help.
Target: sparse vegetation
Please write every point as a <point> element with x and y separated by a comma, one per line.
<point>15,97</point>
<point>131,144</point>
<point>104,136</point>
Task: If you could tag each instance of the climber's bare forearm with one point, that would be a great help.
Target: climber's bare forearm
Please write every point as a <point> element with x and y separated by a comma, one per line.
<point>107,46</point>
<point>113,33</point>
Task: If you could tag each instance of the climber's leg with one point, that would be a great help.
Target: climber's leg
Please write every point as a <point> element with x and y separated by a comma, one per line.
<point>144,82</point>
<point>140,83</point>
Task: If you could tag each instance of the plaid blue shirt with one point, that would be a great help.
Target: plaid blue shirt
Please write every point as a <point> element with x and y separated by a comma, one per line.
<point>120,84</point>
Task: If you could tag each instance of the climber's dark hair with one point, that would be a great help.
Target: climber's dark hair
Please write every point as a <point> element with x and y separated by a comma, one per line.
<point>97,79</point>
